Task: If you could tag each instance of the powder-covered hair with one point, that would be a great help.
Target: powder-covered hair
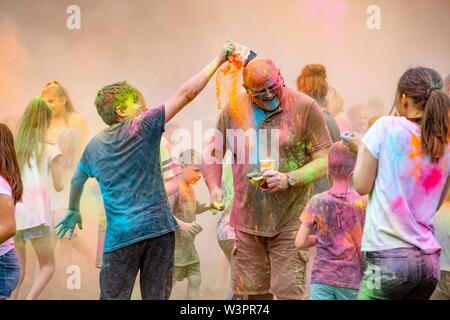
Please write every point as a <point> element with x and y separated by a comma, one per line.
<point>111,96</point>
<point>341,160</point>
<point>31,139</point>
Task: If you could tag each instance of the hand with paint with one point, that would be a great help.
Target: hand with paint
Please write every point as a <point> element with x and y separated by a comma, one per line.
<point>276,181</point>
<point>227,49</point>
<point>68,223</point>
<point>241,54</point>
<point>216,200</point>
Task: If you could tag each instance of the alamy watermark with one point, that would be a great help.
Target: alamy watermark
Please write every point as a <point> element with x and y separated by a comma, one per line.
<point>247,146</point>
<point>73,21</point>
<point>374,19</point>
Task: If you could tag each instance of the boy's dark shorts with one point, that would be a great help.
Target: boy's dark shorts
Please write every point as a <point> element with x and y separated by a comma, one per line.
<point>152,258</point>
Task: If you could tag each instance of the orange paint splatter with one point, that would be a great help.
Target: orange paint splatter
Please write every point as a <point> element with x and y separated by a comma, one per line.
<point>232,70</point>
<point>416,147</point>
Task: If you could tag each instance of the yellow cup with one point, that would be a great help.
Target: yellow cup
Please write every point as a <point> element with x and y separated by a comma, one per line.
<point>266,164</point>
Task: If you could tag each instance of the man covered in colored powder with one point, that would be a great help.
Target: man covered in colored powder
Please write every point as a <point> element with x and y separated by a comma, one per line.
<point>125,160</point>
<point>265,259</point>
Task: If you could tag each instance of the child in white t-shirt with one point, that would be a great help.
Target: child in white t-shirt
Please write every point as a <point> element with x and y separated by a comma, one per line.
<point>404,164</point>
<point>37,160</point>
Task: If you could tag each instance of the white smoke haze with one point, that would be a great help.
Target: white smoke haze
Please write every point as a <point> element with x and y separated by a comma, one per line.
<point>157,45</point>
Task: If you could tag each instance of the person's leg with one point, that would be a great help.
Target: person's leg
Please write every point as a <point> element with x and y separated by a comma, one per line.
<point>194,281</point>
<point>429,278</point>
<point>43,247</point>
<point>157,267</point>
<point>345,293</point>
<point>227,248</point>
<point>9,274</point>
<point>119,270</point>
<point>193,289</point>
<point>442,291</point>
<point>179,274</point>
<point>322,292</point>
<point>22,258</point>
<point>308,271</point>
<point>288,267</point>
<point>251,267</point>
<point>389,274</point>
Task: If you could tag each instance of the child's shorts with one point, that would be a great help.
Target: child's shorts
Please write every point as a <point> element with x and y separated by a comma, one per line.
<point>9,273</point>
<point>33,233</point>
<point>182,272</point>
<point>321,291</point>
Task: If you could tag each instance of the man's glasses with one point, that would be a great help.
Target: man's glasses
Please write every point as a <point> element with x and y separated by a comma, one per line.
<point>268,90</point>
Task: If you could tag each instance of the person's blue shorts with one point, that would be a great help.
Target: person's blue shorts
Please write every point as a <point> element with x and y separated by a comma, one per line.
<point>327,292</point>
<point>9,273</point>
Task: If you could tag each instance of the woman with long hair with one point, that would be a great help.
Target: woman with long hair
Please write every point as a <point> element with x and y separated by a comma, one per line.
<point>64,114</point>
<point>10,193</point>
<point>313,82</point>
<point>37,160</point>
<point>404,163</point>
<point>68,129</point>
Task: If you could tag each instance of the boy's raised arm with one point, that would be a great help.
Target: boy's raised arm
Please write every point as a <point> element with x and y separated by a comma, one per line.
<point>190,89</point>
<point>73,216</point>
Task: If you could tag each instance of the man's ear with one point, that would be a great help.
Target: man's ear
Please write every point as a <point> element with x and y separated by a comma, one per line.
<point>120,111</point>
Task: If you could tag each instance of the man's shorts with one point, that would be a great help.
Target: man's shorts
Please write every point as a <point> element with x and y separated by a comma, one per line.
<point>263,265</point>
<point>182,272</point>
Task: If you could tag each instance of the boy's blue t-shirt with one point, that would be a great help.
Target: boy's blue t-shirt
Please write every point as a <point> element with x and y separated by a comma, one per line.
<point>125,160</point>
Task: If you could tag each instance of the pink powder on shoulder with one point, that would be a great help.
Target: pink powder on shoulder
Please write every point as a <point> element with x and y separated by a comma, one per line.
<point>432,179</point>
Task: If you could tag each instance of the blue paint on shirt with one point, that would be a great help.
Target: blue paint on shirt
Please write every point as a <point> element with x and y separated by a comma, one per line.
<point>125,160</point>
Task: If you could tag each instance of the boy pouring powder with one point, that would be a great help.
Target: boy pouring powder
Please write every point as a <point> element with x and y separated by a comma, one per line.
<point>125,160</point>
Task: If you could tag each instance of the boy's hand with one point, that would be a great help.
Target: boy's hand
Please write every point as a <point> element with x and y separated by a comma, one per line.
<point>68,223</point>
<point>213,210</point>
<point>226,50</point>
<point>189,229</point>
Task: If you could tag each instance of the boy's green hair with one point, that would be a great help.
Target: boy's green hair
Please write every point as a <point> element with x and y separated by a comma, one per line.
<point>111,96</point>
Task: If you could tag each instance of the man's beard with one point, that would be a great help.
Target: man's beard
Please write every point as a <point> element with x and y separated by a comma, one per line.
<point>269,105</point>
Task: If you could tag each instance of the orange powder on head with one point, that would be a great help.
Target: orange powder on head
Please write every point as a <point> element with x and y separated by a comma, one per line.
<point>233,70</point>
